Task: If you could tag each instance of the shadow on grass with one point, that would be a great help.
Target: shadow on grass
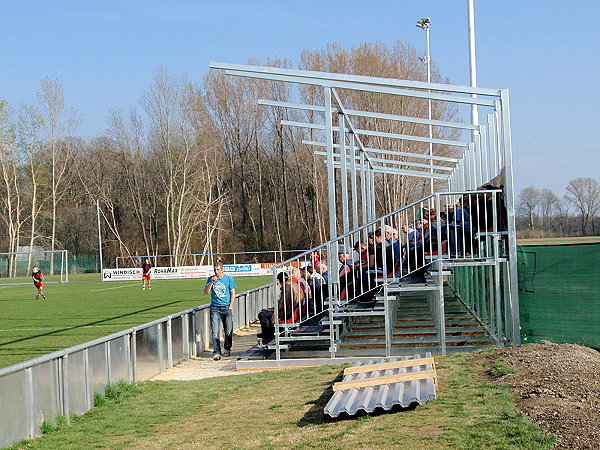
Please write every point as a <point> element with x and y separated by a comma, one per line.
<point>315,414</point>
<point>49,333</point>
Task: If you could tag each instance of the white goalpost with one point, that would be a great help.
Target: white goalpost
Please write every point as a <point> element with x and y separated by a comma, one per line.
<point>16,268</point>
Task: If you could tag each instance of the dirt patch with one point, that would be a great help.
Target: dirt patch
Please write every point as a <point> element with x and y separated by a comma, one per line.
<point>558,386</point>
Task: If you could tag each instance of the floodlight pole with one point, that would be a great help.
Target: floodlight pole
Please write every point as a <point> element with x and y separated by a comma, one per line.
<point>472,63</point>
<point>99,236</point>
<point>424,24</point>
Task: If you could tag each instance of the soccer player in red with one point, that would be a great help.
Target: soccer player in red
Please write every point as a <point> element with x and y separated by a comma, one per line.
<point>38,281</point>
<point>146,274</point>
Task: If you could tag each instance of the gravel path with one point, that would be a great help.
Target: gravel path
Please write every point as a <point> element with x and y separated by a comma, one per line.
<point>203,366</point>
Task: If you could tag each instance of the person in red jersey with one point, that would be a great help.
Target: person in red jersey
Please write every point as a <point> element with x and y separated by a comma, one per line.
<point>38,281</point>
<point>146,267</point>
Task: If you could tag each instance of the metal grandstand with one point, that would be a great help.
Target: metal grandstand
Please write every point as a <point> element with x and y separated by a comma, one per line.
<point>450,286</point>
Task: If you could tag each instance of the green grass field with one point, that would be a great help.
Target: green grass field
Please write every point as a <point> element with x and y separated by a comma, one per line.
<point>284,409</point>
<point>86,308</point>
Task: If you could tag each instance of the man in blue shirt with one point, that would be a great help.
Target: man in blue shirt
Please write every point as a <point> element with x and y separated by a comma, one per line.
<point>222,298</point>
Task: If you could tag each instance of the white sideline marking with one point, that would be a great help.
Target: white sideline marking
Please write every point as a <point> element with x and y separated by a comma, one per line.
<point>116,287</point>
<point>59,328</point>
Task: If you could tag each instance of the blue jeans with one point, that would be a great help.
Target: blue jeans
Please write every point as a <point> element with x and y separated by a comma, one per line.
<point>221,315</point>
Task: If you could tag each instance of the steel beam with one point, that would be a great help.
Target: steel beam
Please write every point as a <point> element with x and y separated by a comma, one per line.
<point>390,152</point>
<point>393,161</point>
<point>324,76</point>
<point>365,88</point>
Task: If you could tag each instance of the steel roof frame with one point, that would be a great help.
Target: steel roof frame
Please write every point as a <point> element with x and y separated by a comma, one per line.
<point>488,155</point>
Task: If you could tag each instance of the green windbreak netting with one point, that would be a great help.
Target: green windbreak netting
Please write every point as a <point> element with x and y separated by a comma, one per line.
<point>83,264</point>
<point>559,293</point>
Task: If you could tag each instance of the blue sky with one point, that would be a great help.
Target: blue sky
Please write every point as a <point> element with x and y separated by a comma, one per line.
<point>106,54</point>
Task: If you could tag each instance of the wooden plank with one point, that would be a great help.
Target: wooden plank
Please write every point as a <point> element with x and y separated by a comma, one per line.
<point>377,381</point>
<point>388,365</point>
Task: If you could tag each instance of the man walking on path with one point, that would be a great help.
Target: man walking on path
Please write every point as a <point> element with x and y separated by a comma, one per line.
<point>222,298</point>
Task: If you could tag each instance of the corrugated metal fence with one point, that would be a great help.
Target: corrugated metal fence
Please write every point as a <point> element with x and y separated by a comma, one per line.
<point>65,382</point>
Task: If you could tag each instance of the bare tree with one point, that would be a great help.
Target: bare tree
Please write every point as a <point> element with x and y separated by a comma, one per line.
<point>529,200</point>
<point>238,120</point>
<point>560,224</point>
<point>31,146</point>
<point>11,187</point>
<point>101,176</point>
<point>61,149</point>
<point>130,143</point>
<point>584,195</point>
<point>174,141</point>
<point>548,202</point>
<point>401,61</point>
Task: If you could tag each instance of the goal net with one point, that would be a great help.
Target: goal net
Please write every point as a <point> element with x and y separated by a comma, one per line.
<point>16,268</point>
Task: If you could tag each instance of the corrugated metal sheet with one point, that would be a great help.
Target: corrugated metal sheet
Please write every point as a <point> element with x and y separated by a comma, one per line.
<point>384,396</point>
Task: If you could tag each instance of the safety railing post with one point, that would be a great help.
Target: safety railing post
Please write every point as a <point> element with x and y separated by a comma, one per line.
<point>160,347</point>
<point>29,403</point>
<point>108,362</point>
<point>497,287</point>
<point>133,346</point>
<point>169,343</point>
<point>276,318</point>
<point>440,305</point>
<point>64,380</point>
<point>440,301</point>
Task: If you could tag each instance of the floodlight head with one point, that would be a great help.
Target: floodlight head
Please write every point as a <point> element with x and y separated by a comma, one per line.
<point>424,23</point>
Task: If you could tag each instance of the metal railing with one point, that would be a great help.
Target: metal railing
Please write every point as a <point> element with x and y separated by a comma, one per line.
<point>65,381</point>
<point>455,228</point>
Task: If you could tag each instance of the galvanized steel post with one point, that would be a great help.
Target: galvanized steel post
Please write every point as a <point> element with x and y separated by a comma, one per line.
<point>330,163</point>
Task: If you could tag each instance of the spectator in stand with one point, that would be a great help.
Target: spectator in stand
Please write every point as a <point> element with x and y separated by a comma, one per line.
<point>482,210</point>
<point>301,281</point>
<point>411,235</point>
<point>316,283</point>
<point>314,278</point>
<point>304,273</point>
<point>374,266</point>
<point>371,238</point>
<point>346,274</point>
<point>321,268</point>
<point>413,264</point>
<point>307,304</point>
<point>360,265</point>
<point>361,249</point>
<point>459,231</point>
<point>392,244</point>
<point>428,232</point>
<point>321,285</point>
<point>290,298</point>
<point>444,217</point>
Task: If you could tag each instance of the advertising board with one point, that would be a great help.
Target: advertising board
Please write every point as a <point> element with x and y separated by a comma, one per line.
<point>171,273</point>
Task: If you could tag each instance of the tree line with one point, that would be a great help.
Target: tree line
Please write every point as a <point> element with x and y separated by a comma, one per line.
<point>197,167</point>
<point>540,212</point>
